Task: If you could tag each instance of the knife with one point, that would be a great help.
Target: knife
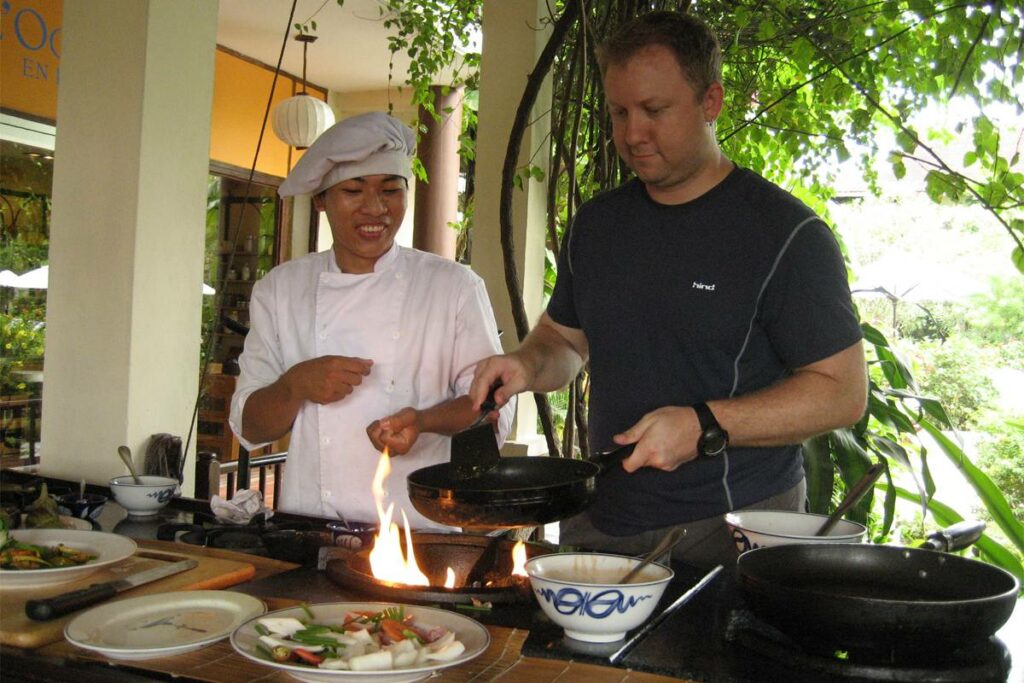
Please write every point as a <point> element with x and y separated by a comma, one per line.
<point>51,608</point>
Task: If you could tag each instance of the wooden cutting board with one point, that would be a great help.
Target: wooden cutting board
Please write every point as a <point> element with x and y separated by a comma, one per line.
<point>212,573</point>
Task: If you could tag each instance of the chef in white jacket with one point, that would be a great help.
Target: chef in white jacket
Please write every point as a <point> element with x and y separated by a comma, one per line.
<point>365,345</point>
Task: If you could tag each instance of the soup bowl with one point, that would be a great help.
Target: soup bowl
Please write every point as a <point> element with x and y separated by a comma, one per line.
<point>144,499</point>
<point>580,592</point>
<point>764,528</point>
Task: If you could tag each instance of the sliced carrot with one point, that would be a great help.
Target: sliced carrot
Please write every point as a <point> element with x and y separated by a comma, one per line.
<point>394,630</point>
<point>307,656</point>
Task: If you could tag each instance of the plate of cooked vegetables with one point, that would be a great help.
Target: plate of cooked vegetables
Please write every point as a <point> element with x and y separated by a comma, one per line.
<point>361,642</point>
<point>30,558</point>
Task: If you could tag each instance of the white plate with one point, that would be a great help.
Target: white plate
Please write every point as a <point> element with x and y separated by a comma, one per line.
<point>109,548</point>
<point>470,632</point>
<point>162,624</point>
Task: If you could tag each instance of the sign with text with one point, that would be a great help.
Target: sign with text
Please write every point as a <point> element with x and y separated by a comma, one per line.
<point>30,46</point>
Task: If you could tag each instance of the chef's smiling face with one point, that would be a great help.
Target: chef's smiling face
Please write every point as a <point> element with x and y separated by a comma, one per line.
<point>365,214</point>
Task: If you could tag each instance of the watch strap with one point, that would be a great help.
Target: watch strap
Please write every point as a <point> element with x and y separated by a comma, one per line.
<point>705,416</point>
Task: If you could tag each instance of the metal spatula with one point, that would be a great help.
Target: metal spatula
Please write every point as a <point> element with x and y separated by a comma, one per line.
<point>475,449</point>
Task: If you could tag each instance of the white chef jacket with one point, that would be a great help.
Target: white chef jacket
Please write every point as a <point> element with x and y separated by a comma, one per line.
<point>424,320</point>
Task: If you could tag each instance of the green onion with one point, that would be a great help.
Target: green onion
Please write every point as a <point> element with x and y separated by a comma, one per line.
<point>262,630</point>
<point>265,651</point>
<point>307,610</point>
<point>472,608</point>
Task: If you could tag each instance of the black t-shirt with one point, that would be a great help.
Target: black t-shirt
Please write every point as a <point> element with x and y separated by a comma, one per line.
<point>713,298</point>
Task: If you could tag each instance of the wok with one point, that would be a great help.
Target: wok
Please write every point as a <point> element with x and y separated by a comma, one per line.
<point>519,491</point>
<point>867,597</point>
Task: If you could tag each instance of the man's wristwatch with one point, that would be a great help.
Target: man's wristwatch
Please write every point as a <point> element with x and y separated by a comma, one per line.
<point>713,439</point>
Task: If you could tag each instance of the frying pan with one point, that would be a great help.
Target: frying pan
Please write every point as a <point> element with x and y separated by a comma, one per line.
<point>867,597</point>
<point>519,491</point>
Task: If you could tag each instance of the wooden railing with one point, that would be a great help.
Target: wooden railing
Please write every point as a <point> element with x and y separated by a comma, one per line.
<point>210,473</point>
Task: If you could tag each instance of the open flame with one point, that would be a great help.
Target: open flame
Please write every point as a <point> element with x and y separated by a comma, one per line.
<point>388,563</point>
<point>519,559</point>
<point>386,560</point>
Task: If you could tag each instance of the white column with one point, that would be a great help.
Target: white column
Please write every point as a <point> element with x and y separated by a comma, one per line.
<point>513,37</point>
<point>126,246</point>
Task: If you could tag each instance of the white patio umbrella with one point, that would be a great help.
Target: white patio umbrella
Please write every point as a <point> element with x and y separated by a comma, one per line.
<point>40,277</point>
<point>34,279</point>
<point>8,278</point>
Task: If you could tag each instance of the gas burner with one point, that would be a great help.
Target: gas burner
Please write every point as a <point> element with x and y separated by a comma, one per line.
<point>289,541</point>
<point>434,554</point>
<point>988,660</point>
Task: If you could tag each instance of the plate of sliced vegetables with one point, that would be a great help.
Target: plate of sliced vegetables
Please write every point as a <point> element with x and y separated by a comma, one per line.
<point>361,642</point>
<point>31,558</point>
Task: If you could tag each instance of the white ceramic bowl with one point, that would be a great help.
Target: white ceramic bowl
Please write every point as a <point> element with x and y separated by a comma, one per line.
<point>578,591</point>
<point>764,528</point>
<point>145,499</point>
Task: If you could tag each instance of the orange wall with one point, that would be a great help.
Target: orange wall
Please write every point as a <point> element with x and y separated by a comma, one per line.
<point>30,60</point>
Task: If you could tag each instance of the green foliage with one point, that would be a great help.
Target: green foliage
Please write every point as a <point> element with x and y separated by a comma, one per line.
<point>999,454</point>
<point>21,340</point>
<point>954,373</point>
<point>997,316</point>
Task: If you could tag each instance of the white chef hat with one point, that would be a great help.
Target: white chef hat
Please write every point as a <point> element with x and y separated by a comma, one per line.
<point>368,144</point>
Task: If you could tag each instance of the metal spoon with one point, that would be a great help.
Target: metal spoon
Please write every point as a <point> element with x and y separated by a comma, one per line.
<point>668,542</point>
<point>852,497</point>
<point>126,455</point>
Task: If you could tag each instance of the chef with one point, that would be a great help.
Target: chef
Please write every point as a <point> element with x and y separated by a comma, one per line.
<point>366,345</point>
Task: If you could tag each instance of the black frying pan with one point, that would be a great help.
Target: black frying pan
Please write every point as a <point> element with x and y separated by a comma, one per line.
<point>517,492</point>
<point>865,596</point>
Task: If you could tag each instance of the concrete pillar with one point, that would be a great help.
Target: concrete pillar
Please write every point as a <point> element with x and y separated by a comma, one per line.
<point>437,205</point>
<point>126,249</point>
<point>513,37</point>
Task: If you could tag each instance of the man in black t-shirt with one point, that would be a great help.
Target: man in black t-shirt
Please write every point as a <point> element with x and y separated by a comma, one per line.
<point>712,306</point>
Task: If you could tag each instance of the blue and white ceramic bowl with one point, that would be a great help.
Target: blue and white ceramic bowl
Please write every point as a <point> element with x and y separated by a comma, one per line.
<point>145,499</point>
<point>580,592</point>
<point>763,528</point>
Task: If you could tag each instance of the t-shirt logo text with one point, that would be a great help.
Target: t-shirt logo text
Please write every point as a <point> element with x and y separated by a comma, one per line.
<point>701,285</point>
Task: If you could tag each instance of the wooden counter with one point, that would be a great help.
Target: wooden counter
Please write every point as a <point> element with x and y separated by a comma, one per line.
<point>218,663</point>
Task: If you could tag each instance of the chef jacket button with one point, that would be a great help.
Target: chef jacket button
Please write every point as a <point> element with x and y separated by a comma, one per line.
<point>323,335</point>
<point>326,495</point>
<point>398,276</point>
<point>396,334</point>
<point>389,388</point>
<point>327,440</point>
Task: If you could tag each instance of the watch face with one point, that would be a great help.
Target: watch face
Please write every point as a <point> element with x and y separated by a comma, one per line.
<point>714,441</point>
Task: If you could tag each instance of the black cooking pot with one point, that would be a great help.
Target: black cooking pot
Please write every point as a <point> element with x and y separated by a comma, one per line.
<point>517,492</point>
<point>865,596</point>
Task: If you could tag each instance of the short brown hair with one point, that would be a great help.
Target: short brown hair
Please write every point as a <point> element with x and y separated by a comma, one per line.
<point>693,43</point>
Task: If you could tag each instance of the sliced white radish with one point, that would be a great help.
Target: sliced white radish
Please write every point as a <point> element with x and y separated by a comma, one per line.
<point>281,626</point>
<point>447,653</point>
<point>374,661</point>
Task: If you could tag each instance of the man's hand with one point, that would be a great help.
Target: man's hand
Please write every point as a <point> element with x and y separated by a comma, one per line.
<point>665,439</point>
<point>326,379</point>
<point>509,370</point>
<point>397,432</point>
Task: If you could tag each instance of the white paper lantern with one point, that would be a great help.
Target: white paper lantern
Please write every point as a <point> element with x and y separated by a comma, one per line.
<point>301,119</point>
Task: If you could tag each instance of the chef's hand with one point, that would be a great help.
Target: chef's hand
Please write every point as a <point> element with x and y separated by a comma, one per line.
<point>508,370</point>
<point>665,439</point>
<point>397,432</point>
<point>328,378</point>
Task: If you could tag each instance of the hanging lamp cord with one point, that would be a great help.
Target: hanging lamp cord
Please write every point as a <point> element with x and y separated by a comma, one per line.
<point>211,339</point>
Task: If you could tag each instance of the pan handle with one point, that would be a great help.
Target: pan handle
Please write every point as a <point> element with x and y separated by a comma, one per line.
<point>956,537</point>
<point>607,459</point>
